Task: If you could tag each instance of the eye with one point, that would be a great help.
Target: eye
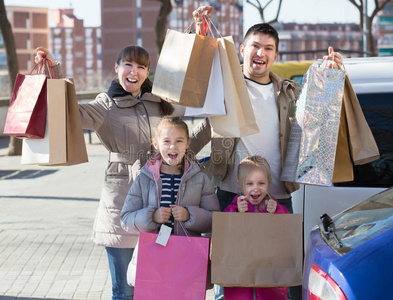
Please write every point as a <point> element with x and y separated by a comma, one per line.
<point>249,183</point>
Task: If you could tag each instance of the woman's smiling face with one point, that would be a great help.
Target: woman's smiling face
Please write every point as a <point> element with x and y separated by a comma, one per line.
<point>131,75</point>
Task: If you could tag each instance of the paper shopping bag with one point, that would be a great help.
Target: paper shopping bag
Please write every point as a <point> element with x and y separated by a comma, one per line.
<point>343,166</point>
<point>76,145</point>
<point>239,119</point>
<point>26,115</point>
<point>176,271</point>
<point>316,125</point>
<point>214,102</point>
<point>364,149</point>
<point>183,68</point>
<point>257,250</point>
<point>52,149</point>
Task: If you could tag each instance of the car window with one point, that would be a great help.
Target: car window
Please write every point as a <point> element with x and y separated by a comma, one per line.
<point>377,109</point>
<point>364,221</point>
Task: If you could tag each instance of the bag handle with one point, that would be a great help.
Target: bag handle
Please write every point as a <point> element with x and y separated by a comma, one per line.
<point>41,68</point>
<point>326,61</point>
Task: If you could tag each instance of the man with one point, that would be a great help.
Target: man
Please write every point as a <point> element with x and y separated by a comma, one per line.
<point>273,100</point>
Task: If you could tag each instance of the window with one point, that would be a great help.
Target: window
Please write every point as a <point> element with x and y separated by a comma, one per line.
<point>377,109</point>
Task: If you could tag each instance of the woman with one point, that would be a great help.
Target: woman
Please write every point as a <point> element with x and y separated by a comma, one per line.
<point>123,119</point>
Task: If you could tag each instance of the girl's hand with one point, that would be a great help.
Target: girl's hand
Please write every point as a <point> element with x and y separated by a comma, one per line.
<point>162,215</point>
<point>197,15</point>
<point>271,206</point>
<point>334,58</point>
<point>242,205</point>
<point>180,213</point>
<point>41,53</point>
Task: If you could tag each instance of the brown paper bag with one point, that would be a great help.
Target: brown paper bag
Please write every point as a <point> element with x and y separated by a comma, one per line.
<point>257,250</point>
<point>76,146</point>
<point>52,148</point>
<point>343,167</point>
<point>364,149</point>
<point>183,68</point>
<point>240,119</point>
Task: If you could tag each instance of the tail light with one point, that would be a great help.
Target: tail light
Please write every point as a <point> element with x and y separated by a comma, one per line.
<point>322,287</point>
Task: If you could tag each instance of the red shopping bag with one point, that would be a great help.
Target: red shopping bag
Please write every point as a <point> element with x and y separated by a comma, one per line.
<point>26,115</point>
<point>176,271</point>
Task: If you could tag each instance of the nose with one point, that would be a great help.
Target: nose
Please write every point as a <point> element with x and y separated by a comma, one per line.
<point>260,52</point>
<point>133,70</point>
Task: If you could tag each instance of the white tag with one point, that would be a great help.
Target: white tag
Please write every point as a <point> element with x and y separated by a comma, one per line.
<point>163,235</point>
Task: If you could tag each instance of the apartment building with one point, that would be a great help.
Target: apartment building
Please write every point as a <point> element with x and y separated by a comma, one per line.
<point>385,31</point>
<point>133,22</point>
<point>77,48</point>
<point>314,39</point>
<point>30,28</point>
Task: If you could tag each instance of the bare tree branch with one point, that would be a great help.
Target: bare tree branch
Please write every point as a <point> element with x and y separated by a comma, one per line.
<point>261,9</point>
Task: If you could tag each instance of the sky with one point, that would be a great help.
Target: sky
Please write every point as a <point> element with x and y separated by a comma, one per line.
<point>300,11</point>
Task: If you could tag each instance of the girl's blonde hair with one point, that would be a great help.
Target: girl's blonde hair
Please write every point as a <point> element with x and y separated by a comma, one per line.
<point>251,163</point>
<point>171,121</point>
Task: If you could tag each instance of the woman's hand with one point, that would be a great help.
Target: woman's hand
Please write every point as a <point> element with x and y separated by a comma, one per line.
<point>41,53</point>
<point>334,59</point>
<point>271,206</point>
<point>242,205</point>
<point>198,17</point>
<point>180,213</point>
<point>162,215</point>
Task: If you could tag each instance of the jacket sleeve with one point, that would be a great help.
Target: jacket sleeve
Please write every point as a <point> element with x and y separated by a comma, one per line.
<point>201,216</point>
<point>94,112</point>
<point>135,215</point>
<point>200,136</point>
<point>233,206</point>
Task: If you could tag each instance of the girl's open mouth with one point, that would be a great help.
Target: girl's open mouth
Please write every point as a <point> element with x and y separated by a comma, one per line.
<point>172,156</point>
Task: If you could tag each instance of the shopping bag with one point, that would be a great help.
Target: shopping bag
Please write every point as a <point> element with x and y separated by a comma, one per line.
<point>257,250</point>
<point>316,125</point>
<point>26,115</point>
<point>363,147</point>
<point>183,68</point>
<point>176,271</point>
<point>76,145</point>
<point>131,270</point>
<point>214,102</point>
<point>239,119</point>
<point>52,149</point>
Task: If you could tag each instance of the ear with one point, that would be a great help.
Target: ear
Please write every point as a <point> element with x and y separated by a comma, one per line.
<point>155,144</point>
<point>242,50</point>
<point>116,67</point>
<point>238,183</point>
<point>188,143</point>
<point>275,57</point>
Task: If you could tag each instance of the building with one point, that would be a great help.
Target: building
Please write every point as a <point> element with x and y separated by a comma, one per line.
<point>311,41</point>
<point>30,29</point>
<point>385,31</point>
<point>77,48</point>
<point>133,22</point>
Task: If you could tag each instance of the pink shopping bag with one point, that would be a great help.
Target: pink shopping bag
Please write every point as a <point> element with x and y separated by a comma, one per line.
<point>176,271</point>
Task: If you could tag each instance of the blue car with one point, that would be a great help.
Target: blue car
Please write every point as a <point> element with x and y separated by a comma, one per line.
<point>350,256</point>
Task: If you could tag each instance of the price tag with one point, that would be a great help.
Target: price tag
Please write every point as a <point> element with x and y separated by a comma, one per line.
<point>163,235</point>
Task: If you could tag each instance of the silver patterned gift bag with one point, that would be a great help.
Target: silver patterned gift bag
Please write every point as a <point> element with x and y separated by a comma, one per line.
<point>314,130</point>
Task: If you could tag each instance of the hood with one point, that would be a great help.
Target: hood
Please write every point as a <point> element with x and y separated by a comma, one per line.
<point>152,168</point>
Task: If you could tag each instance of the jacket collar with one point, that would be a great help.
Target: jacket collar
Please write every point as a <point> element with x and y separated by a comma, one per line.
<point>154,165</point>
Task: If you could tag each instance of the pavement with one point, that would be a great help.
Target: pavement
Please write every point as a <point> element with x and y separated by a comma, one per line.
<point>46,218</point>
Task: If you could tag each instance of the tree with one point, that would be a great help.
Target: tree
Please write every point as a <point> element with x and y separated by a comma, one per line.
<point>379,5</point>
<point>261,9</point>
<point>162,22</point>
<point>15,146</point>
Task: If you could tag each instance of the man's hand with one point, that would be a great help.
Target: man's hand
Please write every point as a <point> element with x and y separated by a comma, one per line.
<point>198,17</point>
<point>334,59</point>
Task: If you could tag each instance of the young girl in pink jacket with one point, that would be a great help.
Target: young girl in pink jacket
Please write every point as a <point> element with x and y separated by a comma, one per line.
<point>254,178</point>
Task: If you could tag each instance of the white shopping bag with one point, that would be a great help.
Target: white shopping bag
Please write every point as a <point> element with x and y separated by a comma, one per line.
<point>214,102</point>
<point>52,149</point>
